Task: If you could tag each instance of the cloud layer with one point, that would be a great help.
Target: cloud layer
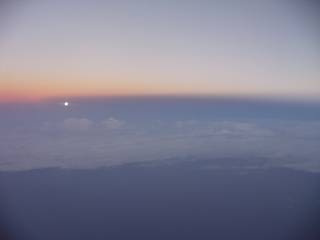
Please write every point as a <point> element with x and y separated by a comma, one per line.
<point>77,124</point>
<point>87,143</point>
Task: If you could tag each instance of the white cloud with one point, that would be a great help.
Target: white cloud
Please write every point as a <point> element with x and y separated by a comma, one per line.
<point>112,124</point>
<point>223,128</point>
<point>286,143</point>
<point>77,124</point>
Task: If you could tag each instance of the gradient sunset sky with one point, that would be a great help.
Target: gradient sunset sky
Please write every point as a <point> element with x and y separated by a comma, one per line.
<point>102,48</point>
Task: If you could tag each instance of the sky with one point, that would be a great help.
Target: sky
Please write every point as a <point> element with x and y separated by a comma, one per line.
<point>105,48</point>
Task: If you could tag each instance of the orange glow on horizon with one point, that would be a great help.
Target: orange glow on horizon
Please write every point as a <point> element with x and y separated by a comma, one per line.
<point>33,87</point>
<point>38,87</point>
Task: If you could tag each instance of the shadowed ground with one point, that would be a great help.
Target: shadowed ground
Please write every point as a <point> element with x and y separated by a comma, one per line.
<point>178,201</point>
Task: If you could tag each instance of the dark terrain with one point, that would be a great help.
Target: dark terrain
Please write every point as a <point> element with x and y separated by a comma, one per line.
<point>167,201</point>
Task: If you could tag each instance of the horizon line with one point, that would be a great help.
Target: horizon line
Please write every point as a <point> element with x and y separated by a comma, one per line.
<point>250,97</point>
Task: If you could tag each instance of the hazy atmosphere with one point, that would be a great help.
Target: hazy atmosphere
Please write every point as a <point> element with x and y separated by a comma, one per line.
<point>89,133</point>
<point>158,119</point>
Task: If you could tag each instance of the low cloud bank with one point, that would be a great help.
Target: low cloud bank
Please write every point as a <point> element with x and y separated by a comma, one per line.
<point>77,124</point>
<point>87,143</point>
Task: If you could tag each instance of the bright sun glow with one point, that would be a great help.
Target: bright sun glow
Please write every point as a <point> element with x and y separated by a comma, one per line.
<point>66,104</point>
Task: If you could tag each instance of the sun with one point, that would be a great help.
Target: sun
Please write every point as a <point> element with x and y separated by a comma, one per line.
<point>66,104</point>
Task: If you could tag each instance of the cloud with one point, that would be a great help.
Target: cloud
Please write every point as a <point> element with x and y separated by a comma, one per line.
<point>223,128</point>
<point>77,124</point>
<point>279,143</point>
<point>113,124</point>
<point>83,124</point>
